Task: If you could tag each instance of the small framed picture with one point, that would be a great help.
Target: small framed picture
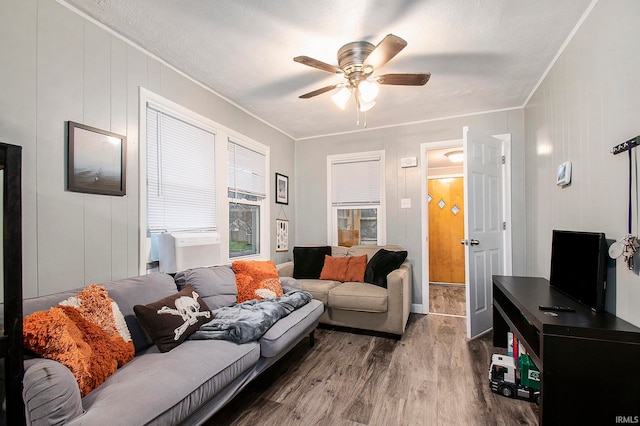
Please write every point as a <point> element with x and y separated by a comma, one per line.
<point>96,161</point>
<point>282,235</point>
<point>282,189</point>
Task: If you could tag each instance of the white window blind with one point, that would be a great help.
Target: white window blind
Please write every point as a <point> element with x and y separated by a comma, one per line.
<point>246,171</point>
<point>355,182</point>
<point>181,187</point>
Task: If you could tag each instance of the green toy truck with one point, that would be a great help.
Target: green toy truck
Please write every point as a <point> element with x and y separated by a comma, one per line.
<point>506,380</point>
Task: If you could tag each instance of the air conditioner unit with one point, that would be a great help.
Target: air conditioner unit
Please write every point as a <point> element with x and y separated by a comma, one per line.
<point>178,251</point>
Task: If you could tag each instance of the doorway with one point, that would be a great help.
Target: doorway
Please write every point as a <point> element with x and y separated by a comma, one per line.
<point>445,201</point>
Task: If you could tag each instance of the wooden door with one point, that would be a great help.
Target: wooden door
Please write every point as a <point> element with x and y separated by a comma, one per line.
<point>446,230</point>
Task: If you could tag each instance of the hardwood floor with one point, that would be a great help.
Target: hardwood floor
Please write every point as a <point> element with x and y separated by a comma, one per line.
<point>447,299</point>
<point>432,376</point>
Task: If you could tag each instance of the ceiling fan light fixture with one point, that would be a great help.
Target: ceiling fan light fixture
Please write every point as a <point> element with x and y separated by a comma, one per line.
<point>368,90</point>
<point>365,105</point>
<point>341,97</point>
<point>456,156</point>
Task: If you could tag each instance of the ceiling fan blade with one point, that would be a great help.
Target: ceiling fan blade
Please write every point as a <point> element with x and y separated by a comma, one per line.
<point>418,79</point>
<point>305,60</point>
<point>318,92</point>
<point>389,47</point>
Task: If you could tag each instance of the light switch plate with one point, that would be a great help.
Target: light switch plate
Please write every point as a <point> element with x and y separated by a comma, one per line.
<point>405,203</point>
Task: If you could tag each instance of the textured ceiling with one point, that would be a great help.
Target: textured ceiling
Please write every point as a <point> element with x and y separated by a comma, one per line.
<point>483,55</point>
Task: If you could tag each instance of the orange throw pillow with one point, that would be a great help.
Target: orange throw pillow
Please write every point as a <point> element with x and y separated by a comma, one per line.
<point>356,270</point>
<point>63,335</point>
<point>344,269</point>
<point>335,268</point>
<point>256,279</point>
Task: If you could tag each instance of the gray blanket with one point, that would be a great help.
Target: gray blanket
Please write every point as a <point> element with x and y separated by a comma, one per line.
<point>247,321</point>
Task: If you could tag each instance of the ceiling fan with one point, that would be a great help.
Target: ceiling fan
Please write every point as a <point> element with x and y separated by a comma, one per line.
<point>357,62</point>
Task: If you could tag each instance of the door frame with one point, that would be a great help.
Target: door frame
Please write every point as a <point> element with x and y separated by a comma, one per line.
<point>506,207</point>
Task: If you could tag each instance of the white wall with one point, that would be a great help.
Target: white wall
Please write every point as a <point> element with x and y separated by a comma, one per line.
<point>57,66</point>
<point>589,102</point>
<point>403,225</point>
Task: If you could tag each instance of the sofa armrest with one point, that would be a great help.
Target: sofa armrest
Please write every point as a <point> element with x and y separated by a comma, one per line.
<point>399,283</point>
<point>50,392</point>
<point>285,269</point>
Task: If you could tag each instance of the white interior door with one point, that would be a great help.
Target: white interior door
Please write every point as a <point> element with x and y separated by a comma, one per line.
<point>484,238</point>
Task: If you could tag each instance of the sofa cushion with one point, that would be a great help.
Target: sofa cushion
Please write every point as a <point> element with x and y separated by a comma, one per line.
<point>50,388</point>
<point>216,284</point>
<point>287,331</point>
<point>356,269</point>
<point>319,289</point>
<point>256,279</point>
<point>165,388</point>
<point>381,264</point>
<point>169,321</point>
<point>308,261</point>
<point>358,297</point>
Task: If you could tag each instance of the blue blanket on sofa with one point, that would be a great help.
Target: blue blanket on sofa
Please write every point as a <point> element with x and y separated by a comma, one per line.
<point>247,321</point>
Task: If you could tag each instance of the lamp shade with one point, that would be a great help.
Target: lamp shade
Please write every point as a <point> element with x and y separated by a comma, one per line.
<point>341,97</point>
<point>368,90</point>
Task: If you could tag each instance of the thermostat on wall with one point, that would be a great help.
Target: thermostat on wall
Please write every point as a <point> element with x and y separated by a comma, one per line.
<point>408,162</point>
<point>564,174</point>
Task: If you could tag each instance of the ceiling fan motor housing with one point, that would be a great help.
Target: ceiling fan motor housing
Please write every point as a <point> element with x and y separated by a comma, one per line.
<point>351,59</point>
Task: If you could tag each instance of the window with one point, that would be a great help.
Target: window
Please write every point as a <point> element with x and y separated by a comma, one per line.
<point>184,187</point>
<point>356,197</point>
<point>247,192</point>
<point>181,180</point>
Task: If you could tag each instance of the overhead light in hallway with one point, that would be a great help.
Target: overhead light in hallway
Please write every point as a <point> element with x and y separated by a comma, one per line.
<point>455,156</point>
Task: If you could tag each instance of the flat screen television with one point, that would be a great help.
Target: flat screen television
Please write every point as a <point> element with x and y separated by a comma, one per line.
<point>579,266</point>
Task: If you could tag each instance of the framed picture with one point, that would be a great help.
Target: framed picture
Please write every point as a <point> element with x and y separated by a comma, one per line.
<point>96,161</point>
<point>282,189</point>
<point>282,235</point>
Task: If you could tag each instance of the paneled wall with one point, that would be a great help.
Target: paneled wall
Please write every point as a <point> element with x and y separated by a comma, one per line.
<point>58,66</point>
<point>589,102</point>
<point>403,225</point>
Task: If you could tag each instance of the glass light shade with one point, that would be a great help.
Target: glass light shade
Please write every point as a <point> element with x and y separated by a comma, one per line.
<point>365,106</point>
<point>368,90</point>
<point>455,156</point>
<point>341,97</point>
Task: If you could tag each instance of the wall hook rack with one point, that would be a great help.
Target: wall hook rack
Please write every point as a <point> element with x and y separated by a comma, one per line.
<point>623,147</point>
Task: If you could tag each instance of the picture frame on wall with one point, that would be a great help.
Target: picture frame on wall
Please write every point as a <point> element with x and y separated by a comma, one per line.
<point>96,161</point>
<point>282,235</point>
<point>282,189</point>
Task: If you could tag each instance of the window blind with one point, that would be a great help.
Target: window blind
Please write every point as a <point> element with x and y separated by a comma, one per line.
<point>355,182</point>
<point>246,170</point>
<point>181,187</point>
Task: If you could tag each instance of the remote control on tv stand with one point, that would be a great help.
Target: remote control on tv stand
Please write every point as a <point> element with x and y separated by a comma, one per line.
<point>556,308</point>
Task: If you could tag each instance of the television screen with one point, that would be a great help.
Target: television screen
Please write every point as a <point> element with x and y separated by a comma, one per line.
<point>578,266</point>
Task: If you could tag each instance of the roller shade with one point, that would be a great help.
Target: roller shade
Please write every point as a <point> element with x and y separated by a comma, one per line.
<point>356,182</point>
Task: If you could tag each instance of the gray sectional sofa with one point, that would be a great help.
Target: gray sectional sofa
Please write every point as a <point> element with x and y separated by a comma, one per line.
<point>359,304</point>
<point>183,386</point>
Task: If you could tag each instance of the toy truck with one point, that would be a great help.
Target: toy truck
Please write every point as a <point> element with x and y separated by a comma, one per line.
<point>506,380</point>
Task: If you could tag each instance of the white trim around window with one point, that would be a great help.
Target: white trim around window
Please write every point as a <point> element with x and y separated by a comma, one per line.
<point>222,135</point>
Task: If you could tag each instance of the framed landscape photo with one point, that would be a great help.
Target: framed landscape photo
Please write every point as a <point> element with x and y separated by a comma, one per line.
<point>96,161</point>
<point>282,189</point>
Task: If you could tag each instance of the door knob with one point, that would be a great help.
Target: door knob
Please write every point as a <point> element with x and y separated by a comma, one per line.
<point>471,242</point>
<point>474,242</point>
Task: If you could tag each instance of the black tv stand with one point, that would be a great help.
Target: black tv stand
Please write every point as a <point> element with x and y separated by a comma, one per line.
<point>589,362</point>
